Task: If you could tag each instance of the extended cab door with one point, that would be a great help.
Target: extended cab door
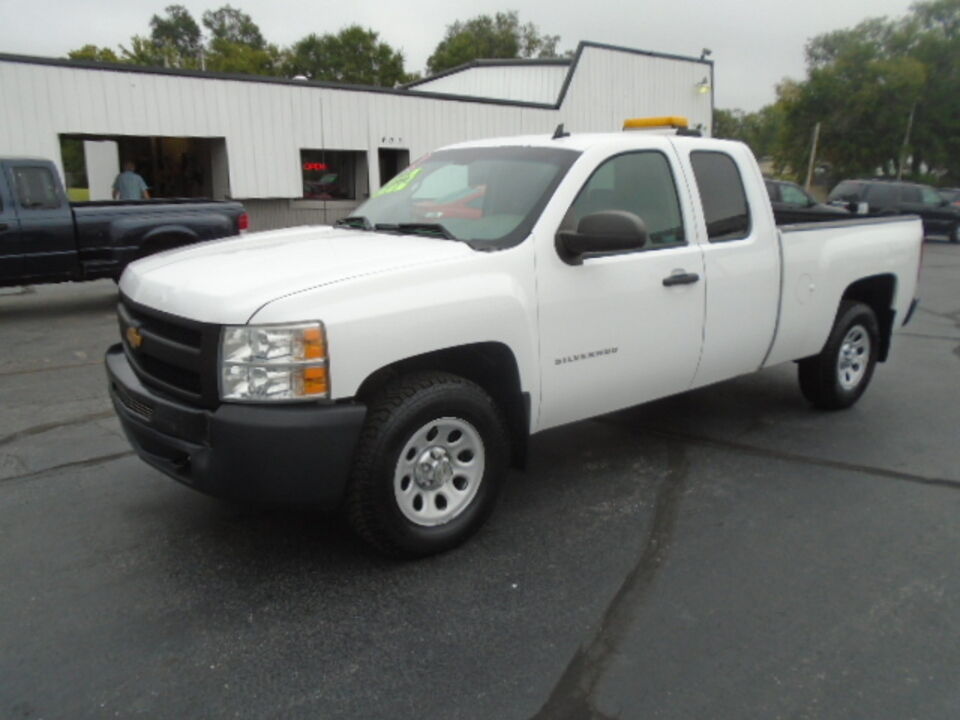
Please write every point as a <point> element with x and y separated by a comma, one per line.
<point>10,252</point>
<point>46,244</point>
<point>742,259</point>
<point>623,328</point>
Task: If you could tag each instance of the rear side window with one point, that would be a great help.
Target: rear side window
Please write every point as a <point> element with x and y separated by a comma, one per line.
<point>721,191</point>
<point>910,194</point>
<point>36,189</point>
<point>931,196</point>
<point>882,195</point>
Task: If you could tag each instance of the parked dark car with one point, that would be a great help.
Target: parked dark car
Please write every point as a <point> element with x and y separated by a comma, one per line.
<point>792,204</point>
<point>45,238</point>
<point>890,197</point>
<point>951,195</point>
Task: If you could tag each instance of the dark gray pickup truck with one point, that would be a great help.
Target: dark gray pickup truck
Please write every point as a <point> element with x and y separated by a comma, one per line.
<point>44,238</point>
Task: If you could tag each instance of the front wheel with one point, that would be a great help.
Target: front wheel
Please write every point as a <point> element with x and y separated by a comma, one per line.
<point>838,376</point>
<point>955,235</point>
<point>429,465</point>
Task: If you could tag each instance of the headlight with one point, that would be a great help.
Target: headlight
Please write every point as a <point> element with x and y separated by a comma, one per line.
<point>274,362</point>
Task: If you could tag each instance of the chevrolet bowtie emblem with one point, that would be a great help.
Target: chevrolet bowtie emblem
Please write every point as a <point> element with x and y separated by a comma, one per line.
<point>134,337</point>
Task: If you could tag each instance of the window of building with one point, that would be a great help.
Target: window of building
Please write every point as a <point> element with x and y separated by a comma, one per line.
<point>36,188</point>
<point>721,192</point>
<point>640,183</point>
<point>74,169</point>
<point>333,174</point>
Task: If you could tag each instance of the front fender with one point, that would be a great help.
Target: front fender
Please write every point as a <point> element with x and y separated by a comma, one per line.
<point>375,321</point>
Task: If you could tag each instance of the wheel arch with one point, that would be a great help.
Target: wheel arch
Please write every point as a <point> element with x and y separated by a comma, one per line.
<point>166,237</point>
<point>491,365</point>
<point>877,292</point>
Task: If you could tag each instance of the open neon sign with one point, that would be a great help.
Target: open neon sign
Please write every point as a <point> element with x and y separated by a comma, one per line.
<point>315,166</point>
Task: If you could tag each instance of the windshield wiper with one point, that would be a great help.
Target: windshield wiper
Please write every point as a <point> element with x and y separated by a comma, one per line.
<point>428,229</point>
<point>416,228</point>
<point>354,222</point>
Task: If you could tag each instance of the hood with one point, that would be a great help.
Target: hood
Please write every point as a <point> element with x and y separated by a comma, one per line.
<point>227,281</point>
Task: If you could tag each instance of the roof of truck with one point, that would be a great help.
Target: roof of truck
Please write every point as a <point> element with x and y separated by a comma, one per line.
<point>584,141</point>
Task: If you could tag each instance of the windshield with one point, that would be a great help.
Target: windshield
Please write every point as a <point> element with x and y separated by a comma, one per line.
<point>489,197</point>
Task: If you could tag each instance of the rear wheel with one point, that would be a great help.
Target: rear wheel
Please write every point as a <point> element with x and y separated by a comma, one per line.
<point>955,235</point>
<point>838,376</point>
<point>429,465</point>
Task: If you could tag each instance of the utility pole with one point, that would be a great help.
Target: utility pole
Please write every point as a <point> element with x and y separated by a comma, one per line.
<point>906,142</point>
<point>813,156</point>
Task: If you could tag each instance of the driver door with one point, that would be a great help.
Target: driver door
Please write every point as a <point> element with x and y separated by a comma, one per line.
<point>612,332</point>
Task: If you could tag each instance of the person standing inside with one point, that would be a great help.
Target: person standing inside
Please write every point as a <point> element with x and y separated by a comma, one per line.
<point>129,185</point>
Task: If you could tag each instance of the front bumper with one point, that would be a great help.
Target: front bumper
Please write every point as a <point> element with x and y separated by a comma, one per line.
<point>293,453</point>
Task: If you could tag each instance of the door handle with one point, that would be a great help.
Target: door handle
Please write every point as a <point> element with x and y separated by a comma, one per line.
<point>680,278</point>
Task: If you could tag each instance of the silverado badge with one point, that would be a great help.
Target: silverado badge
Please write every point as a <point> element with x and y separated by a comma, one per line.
<point>134,337</point>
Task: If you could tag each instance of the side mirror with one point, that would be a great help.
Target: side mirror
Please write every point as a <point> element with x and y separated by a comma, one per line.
<point>606,232</point>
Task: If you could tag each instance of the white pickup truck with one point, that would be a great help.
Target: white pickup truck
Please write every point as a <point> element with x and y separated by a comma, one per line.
<point>394,366</point>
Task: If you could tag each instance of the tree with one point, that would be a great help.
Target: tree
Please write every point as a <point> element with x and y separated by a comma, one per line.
<point>353,55</point>
<point>760,130</point>
<point>230,57</point>
<point>92,52</point>
<point>887,95</point>
<point>178,37</point>
<point>143,51</point>
<point>499,36</point>
<point>230,25</point>
<point>237,45</point>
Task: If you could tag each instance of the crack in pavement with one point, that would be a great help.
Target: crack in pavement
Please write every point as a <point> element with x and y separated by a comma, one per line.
<point>47,427</point>
<point>573,696</point>
<point>926,336</point>
<point>953,315</point>
<point>804,459</point>
<point>89,462</point>
<point>31,371</point>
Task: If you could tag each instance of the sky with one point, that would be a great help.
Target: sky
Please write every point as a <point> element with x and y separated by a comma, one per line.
<point>755,43</point>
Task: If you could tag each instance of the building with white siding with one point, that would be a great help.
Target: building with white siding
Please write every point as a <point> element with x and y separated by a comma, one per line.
<point>298,152</point>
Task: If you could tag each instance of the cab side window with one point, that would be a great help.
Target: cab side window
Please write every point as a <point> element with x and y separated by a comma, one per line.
<point>721,192</point>
<point>640,183</point>
<point>36,189</point>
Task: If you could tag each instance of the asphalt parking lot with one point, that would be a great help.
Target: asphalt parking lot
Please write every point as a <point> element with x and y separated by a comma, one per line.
<point>728,553</point>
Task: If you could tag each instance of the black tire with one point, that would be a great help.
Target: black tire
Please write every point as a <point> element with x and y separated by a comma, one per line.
<point>955,234</point>
<point>823,380</point>
<point>381,500</point>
